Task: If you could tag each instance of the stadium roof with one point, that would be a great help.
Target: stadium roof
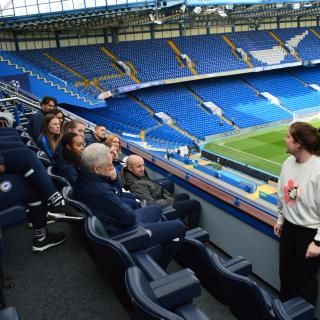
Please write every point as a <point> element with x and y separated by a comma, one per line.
<point>55,15</point>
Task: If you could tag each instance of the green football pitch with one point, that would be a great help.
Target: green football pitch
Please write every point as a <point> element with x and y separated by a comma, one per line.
<point>264,150</point>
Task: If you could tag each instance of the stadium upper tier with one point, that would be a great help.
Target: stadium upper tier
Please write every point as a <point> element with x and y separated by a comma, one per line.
<point>96,68</point>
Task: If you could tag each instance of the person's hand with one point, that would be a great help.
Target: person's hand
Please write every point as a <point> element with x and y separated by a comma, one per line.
<point>277,229</point>
<point>313,250</point>
<point>2,169</point>
<point>112,174</point>
<point>114,153</point>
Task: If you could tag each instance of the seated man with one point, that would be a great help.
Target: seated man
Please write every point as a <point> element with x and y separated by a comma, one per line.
<point>93,188</point>
<point>145,189</point>
<point>35,121</point>
<point>99,135</point>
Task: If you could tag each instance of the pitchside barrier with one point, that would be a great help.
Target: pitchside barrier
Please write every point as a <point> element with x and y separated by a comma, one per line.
<point>307,114</point>
<point>242,167</point>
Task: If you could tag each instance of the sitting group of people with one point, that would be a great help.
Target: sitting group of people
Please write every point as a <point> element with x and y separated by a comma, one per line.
<point>119,192</point>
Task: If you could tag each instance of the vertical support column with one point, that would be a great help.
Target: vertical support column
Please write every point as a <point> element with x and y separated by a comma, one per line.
<point>152,31</point>
<point>16,44</point>
<point>57,38</point>
<point>114,35</point>
<point>278,23</point>
<point>298,22</point>
<point>105,36</point>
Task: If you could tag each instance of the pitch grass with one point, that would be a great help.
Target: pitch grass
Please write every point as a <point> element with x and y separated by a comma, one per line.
<point>264,150</point>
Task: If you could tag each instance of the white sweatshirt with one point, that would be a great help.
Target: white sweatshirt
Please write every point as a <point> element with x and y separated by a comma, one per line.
<point>299,193</point>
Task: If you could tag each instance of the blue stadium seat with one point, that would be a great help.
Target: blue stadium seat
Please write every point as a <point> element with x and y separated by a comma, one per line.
<point>193,254</point>
<point>294,309</point>
<point>167,298</point>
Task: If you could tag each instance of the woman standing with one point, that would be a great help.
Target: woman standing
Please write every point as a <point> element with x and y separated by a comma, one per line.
<point>298,222</point>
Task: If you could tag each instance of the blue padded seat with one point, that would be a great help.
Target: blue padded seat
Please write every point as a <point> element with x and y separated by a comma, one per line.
<point>42,156</point>
<point>12,215</point>
<point>146,303</point>
<point>9,313</point>
<point>59,181</point>
<point>80,207</point>
<point>113,257</point>
<point>30,144</point>
<point>245,298</point>
<point>194,255</point>
<point>293,309</point>
<point>112,254</point>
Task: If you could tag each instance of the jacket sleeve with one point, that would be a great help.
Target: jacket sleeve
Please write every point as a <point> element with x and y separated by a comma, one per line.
<point>115,209</point>
<point>142,192</point>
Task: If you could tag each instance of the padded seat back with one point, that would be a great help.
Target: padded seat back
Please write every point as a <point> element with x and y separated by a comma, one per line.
<point>59,181</point>
<point>244,297</point>
<point>42,156</point>
<point>67,193</point>
<point>143,297</point>
<point>193,254</point>
<point>111,255</point>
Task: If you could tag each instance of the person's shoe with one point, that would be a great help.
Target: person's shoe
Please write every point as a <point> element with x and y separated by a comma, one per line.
<point>49,240</point>
<point>64,213</point>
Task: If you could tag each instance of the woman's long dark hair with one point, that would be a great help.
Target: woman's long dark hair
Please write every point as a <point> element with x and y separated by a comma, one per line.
<point>68,155</point>
<point>307,135</point>
<point>53,140</point>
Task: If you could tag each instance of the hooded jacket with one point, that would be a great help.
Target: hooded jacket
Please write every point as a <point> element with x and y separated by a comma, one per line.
<point>147,190</point>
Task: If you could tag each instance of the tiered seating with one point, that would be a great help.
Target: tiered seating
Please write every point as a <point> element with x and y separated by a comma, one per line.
<point>304,41</point>
<point>93,64</point>
<point>114,126</point>
<point>210,53</point>
<point>180,105</point>
<point>238,101</point>
<point>153,59</point>
<point>263,49</point>
<point>167,137</point>
<point>289,90</point>
<point>47,66</point>
<point>128,112</point>
<point>308,75</point>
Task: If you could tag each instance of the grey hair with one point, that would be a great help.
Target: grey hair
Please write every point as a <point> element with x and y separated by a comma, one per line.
<point>95,155</point>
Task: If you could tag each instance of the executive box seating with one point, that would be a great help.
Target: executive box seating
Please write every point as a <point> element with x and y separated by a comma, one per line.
<point>167,298</point>
<point>193,254</point>
<point>116,254</point>
<point>247,300</point>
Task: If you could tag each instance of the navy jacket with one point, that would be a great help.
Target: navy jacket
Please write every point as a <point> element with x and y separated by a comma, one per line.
<point>35,124</point>
<point>104,201</point>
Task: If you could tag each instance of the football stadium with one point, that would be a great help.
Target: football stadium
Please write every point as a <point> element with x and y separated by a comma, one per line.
<point>159,159</point>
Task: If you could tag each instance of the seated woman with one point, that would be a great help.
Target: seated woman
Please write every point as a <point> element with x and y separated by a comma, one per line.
<point>59,114</point>
<point>72,146</point>
<point>50,135</point>
<point>113,142</point>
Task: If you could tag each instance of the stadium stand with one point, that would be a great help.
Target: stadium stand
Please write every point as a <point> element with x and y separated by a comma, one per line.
<point>293,95</point>
<point>263,49</point>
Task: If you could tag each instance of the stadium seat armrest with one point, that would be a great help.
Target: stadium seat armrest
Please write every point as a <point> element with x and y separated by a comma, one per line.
<point>198,234</point>
<point>176,289</point>
<point>239,265</point>
<point>296,309</point>
<point>133,240</point>
<point>168,212</point>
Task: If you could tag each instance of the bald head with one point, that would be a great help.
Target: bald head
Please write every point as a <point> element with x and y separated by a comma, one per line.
<point>135,164</point>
